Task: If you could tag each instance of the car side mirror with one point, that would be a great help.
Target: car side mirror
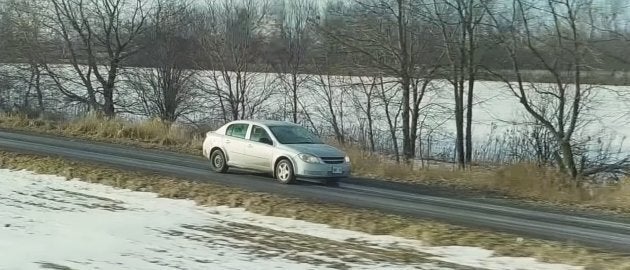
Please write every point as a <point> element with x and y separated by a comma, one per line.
<point>265,140</point>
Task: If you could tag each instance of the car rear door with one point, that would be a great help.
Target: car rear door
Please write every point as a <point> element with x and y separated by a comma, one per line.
<point>234,143</point>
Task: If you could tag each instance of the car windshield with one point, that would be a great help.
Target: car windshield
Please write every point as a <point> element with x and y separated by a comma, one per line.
<point>294,135</point>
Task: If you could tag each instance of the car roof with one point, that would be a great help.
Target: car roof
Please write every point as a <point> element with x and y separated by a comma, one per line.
<point>265,122</point>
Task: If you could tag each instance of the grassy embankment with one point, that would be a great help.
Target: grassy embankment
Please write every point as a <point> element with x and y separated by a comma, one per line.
<point>521,181</point>
<point>431,233</point>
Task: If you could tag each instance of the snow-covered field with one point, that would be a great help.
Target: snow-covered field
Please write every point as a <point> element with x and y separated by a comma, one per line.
<point>47,222</point>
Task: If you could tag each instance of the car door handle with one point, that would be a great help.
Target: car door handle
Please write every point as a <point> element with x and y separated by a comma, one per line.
<point>249,145</point>
<point>227,141</point>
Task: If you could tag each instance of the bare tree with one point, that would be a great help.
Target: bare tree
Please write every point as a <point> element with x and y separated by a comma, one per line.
<point>331,91</point>
<point>164,92</point>
<point>389,100</point>
<point>364,96</point>
<point>233,40</point>
<point>167,88</point>
<point>458,21</point>
<point>26,25</point>
<point>294,41</point>
<point>560,45</point>
<point>394,39</point>
<point>99,36</point>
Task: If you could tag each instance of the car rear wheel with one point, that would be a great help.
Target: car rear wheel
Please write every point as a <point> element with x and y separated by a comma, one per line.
<point>284,172</point>
<point>218,162</point>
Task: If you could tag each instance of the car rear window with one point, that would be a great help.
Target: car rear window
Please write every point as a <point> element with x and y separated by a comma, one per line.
<point>237,130</point>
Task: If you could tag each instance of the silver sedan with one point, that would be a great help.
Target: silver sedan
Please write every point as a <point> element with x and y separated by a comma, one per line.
<point>286,150</point>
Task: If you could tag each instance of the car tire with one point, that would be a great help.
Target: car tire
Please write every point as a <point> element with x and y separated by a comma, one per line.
<point>218,162</point>
<point>284,172</point>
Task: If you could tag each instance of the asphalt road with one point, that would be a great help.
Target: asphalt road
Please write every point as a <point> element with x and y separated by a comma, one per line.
<point>607,233</point>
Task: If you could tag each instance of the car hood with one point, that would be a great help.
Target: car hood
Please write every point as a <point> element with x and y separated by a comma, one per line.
<point>320,150</point>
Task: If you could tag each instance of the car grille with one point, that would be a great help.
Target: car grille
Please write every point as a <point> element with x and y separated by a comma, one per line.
<point>333,160</point>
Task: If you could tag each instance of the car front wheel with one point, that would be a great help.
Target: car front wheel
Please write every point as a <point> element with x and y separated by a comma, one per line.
<point>284,172</point>
<point>218,162</point>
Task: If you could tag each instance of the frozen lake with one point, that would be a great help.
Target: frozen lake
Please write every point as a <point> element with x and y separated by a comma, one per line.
<point>497,113</point>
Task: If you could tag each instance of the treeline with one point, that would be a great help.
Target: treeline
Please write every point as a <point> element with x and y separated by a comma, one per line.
<point>398,48</point>
<point>274,31</point>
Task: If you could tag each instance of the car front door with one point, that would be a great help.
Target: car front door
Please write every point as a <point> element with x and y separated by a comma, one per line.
<point>259,149</point>
<point>234,143</point>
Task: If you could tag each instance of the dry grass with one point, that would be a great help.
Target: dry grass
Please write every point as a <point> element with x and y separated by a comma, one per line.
<point>523,181</point>
<point>431,233</point>
<point>368,164</point>
<point>154,131</point>
<point>546,184</point>
<point>149,134</point>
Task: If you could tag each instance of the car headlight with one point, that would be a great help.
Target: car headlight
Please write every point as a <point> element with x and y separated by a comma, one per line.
<point>347,159</point>
<point>309,158</point>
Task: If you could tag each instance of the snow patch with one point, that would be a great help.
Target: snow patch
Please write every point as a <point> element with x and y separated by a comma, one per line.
<point>48,222</point>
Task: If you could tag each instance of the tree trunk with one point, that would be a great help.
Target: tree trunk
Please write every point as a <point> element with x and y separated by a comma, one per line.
<point>396,149</point>
<point>25,102</point>
<point>413,136</point>
<point>418,96</point>
<point>333,118</point>
<point>405,77</point>
<point>568,159</point>
<point>295,97</point>
<point>392,131</point>
<point>370,126</point>
<point>108,106</point>
<point>38,90</point>
<point>459,125</point>
<point>108,98</point>
<point>407,150</point>
<point>469,118</point>
<point>108,89</point>
<point>338,134</point>
<point>471,70</point>
<point>390,122</point>
<point>235,111</point>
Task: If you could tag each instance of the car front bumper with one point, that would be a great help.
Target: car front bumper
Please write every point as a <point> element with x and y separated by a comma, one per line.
<point>310,170</point>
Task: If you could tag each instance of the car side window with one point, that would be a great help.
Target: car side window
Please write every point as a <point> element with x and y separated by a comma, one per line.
<point>237,130</point>
<point>259,133</point>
